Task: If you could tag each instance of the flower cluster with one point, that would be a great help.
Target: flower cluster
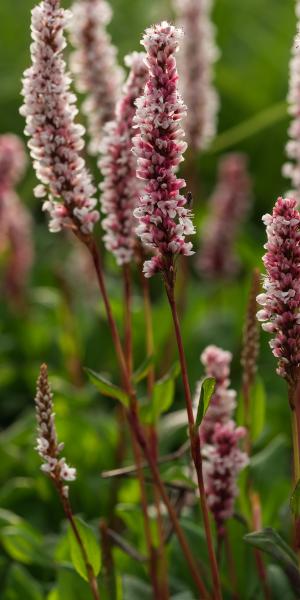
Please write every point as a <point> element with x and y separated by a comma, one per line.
<point>94,65</point>
<point>229,205</point>
<point>12,162</point>
<point>196,59</point>
<point>55,139</point>
<point>120,187</point>
<point>280,314</point>
<point>164,219</point>
<point>223,461</point>
<point>291,169</point>
<point>217,365</point>
<point>47,444</point>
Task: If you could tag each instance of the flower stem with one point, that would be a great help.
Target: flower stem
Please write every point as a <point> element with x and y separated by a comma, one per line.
<point>195,443</point>
<point>132,416</point>
<point>69,515</point>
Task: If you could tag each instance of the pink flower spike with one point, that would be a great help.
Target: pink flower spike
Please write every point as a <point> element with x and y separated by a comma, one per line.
<point>164,220</point>
<point>223,461</point>
<point>228,207</point>
<point>196,59</point>
<point>47,444</point>
<point>55,139</point>
<point>120,187</point>
<point>94,65</point>
<point>291,169</point>
<point>280,314</point>
<point>223,402</point>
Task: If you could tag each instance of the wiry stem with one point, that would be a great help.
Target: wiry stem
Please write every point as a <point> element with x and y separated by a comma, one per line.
<point>69,515</point>
<point>161,554</point>
<point>195,442</point>
<point>135,446</point>
<point>132,416</point>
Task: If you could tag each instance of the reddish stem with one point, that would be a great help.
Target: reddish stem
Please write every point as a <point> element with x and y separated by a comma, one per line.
<point>69,515</point>
<point>195,443</point>
<point>132,416</point>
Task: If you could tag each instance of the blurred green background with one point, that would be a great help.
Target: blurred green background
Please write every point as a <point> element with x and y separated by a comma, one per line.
<point>63,322</point>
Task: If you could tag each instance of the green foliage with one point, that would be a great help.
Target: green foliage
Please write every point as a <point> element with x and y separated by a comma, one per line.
<point>107,388</point>
<point>90,545</point>
<point>206,392</point>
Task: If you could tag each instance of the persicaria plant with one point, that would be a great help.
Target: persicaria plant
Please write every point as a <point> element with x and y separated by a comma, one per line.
<point>184,487</point>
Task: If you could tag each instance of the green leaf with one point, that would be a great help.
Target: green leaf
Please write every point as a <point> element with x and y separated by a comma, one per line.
<point>163,393</point>
<point>270,542</point>
<point>295,500</point>
<point>279,583</point>
<point>135,589</point>
<point>20,584</point>
<point>107,388</point>
<point>90,545</point>
<point>206,392</point>
<point>258,409</point>
<point>24,545</point>
<point>143,370</point>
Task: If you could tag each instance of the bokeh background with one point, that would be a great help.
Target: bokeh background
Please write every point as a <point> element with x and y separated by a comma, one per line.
<point>62,320</point>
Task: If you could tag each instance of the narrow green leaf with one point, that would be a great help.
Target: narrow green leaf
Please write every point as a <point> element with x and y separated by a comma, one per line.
<point>258,409</point>
<point>270,542</point>
<point>90,545</point>
<point>295,500</point>
<point>107,388</point>
<point>206,392</point>
<point>24,545</point>
<point>143,370</point>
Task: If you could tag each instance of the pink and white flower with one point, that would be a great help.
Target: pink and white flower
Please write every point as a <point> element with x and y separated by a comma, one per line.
<point>55,139</point>
<point>164,219</point>
<point>120,187</point>
<point>280,314</point>
<point>94,64</point>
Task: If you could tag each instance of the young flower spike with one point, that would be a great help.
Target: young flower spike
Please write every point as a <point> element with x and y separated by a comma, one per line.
<point>120,187</point>
<point>280,314</point>
<point>223,460</point>
<point>55,138</point>
<point>217,365</point>
<point>164,220</point>
<point>47,445</point>
<point>291,169</point>
<point>94,65</point>
<point>229,205</point>
<point>197,56</point>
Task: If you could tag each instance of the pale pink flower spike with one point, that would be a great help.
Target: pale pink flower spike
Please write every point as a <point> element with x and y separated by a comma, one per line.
<point>164,219</point>
<point>55,139</point>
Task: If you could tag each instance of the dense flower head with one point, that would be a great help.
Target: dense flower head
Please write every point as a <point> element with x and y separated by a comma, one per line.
<point>12,161</point>
<point>55,139</point>
<point>280,314</point>
<point>291,169</point>
<point>120,187</point>
<point>228,207</point>
<point>217,365</point>
<point>223,461</point>
<point>197,56</point>
<point>94,65</point>
<point>47,444</point>
<point>164,219</point>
